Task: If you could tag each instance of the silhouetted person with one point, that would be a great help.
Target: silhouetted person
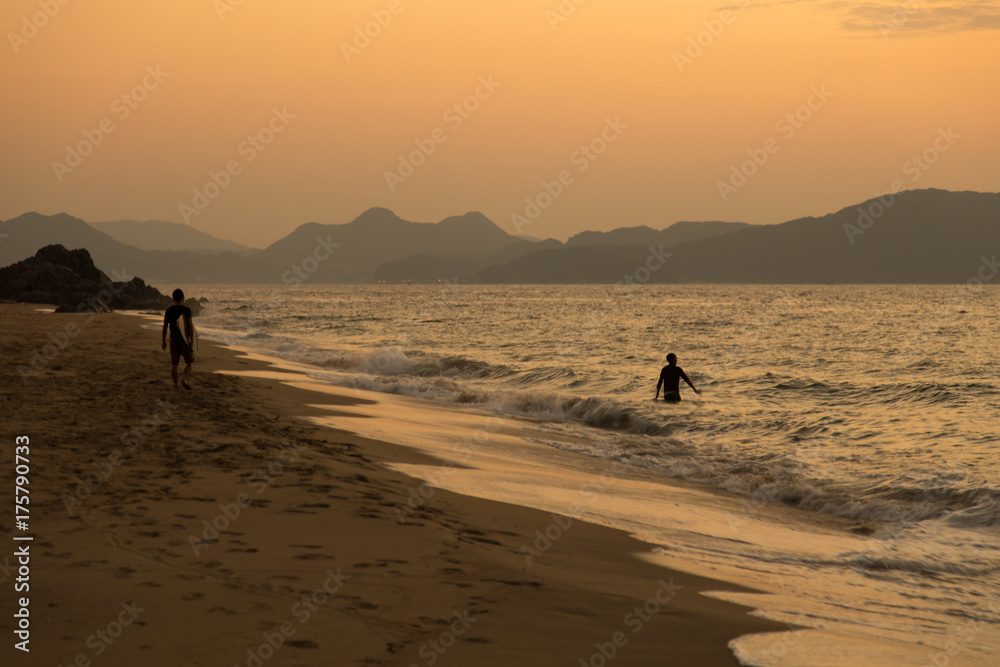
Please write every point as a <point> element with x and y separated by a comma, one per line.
<point>180,343</point>
<point>670,380</point>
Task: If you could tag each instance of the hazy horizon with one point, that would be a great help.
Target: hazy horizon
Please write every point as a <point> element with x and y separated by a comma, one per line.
<point>819,106</point>
<point>499,223</point>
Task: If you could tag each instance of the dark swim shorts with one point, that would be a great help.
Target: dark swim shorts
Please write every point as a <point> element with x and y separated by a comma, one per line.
<point>179,349</point>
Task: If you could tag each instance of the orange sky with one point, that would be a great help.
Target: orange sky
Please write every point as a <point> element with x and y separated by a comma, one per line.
<point>891,77</point>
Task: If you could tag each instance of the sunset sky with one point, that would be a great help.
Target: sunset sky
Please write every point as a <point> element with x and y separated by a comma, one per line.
<point>670,97</point>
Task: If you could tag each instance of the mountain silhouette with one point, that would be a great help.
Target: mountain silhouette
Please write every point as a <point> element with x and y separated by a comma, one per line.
<point>27,233</point>
<point>378,236</point>
<point>916,236</point>
<point>919,236</point>
<point>162,235</point>
<point>679,232</point>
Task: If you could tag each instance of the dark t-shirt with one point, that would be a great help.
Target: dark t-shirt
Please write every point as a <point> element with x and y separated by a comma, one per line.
<point>172,318</point>
<point>670,378</point>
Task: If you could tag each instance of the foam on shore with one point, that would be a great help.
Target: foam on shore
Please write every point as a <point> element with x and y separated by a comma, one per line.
<point>792,555</point>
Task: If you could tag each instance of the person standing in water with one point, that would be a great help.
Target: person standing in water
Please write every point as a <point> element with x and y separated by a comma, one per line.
<point>180,343</point>
<point>670,379</point>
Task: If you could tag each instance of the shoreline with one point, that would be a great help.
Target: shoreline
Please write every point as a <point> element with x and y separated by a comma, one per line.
<point>453,573</point>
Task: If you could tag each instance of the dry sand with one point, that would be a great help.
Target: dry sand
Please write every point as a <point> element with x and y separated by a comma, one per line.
<point>129,573</point>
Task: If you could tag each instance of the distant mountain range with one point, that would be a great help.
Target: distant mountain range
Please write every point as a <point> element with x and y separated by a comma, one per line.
<point>675,234</point>
<point>161,235</point>
<point>917,236</point>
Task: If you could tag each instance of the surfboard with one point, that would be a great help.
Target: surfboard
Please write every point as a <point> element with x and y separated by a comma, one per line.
<point>194,337</point>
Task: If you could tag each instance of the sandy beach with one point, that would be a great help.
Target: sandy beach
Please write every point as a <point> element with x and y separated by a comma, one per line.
<point>218,527</point>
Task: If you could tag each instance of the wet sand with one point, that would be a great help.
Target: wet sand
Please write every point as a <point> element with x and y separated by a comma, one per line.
<point>219,527</point>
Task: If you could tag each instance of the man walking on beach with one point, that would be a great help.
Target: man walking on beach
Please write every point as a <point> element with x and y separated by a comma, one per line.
<point>180,344</point>
<point>670,379</point>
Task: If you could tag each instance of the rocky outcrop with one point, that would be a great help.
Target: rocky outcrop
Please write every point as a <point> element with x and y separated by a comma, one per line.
<point>69,280</point>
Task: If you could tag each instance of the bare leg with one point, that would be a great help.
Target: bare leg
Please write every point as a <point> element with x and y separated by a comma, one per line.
<point>187,374</point>
<point>173,374</point>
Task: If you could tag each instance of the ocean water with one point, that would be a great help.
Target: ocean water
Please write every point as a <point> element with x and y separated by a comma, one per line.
<point>875,408</point>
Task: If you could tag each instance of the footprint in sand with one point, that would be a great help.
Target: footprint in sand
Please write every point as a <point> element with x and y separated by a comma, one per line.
<point>532,584</point>
<point>191,597</point>
<point>291,510</point>
<point>123,572</point>
<point>222,610</point>
<point>303,643</point>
